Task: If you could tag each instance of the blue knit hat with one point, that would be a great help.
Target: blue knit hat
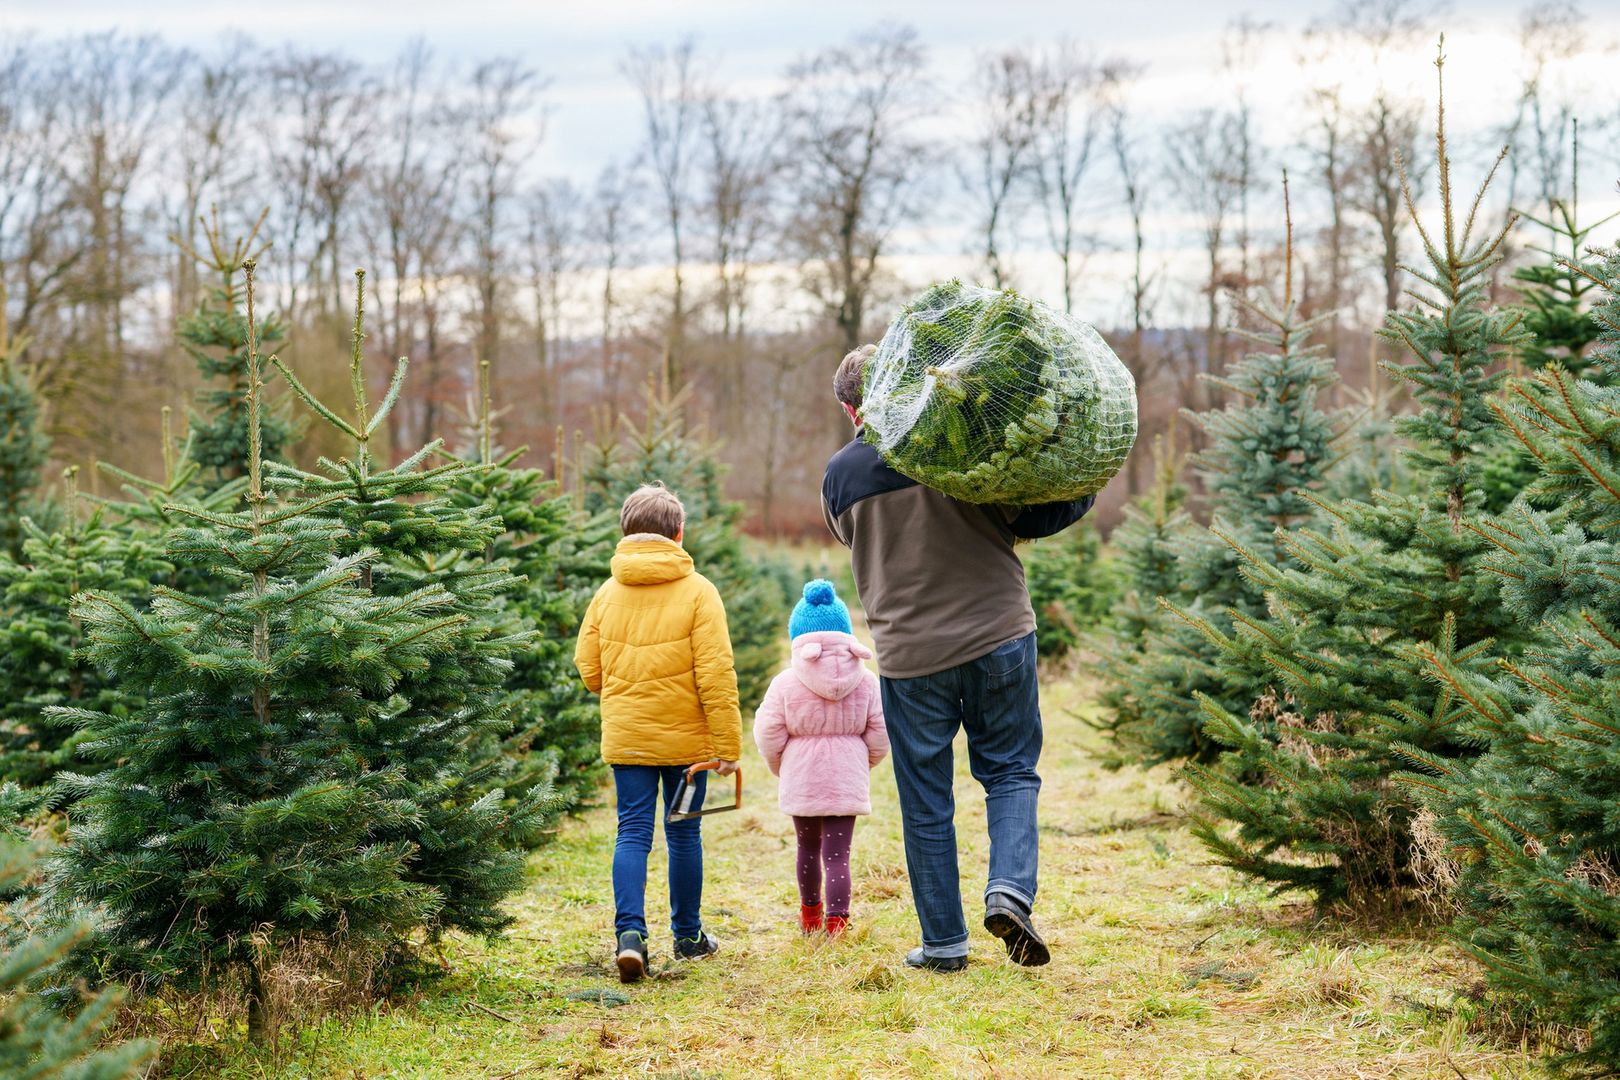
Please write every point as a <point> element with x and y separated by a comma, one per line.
<point>819,610</point>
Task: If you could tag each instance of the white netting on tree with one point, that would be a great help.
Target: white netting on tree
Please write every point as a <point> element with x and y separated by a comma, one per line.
<point>990,397</point>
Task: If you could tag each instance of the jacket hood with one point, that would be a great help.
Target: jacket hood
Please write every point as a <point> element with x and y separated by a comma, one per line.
<point>828,663</point>
<point>649,560</point>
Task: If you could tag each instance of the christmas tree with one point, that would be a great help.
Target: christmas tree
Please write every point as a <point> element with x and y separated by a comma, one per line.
<point>1306,772</point>
<point>561,554</point>
<point>1145,559</point>
<point>448,722</point>
<point>1557,294</point>
<point>40,663</point>
<point>755,591</point>
<point>37,1043</point>
<point>216,338</point>
<point>23,445</point>
<point>270,801</point>
<point>1072,587</point>
<point>1268,451</point>
<point>1526,835</point>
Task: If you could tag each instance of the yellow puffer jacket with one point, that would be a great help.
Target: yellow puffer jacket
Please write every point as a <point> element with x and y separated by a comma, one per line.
<point>654,645</point>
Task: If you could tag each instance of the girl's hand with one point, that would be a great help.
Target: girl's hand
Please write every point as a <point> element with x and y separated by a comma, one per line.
<point>726,768</point>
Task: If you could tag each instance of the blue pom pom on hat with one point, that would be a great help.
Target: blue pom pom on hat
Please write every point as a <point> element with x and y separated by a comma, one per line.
<point>820,609</point>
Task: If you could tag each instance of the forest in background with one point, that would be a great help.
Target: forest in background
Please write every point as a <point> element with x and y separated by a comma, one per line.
<point>755,235</point>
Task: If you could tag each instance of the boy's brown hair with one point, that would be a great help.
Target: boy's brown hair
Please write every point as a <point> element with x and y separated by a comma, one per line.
<point>849,381</point>
<point>652,508</point>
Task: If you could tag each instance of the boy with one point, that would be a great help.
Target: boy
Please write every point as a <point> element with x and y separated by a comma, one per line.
<point>654,645</point>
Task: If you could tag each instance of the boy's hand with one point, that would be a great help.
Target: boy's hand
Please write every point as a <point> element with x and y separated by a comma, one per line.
<point>726,768</point>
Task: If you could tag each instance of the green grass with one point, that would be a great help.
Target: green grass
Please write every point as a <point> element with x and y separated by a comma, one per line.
<point>1163,967</point>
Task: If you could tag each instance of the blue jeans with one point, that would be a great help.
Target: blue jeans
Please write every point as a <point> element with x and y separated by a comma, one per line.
<point>636,787</point>
<point>996,700</point>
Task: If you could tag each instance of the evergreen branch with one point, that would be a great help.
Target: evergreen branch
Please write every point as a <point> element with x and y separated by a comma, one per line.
<point>312,401</point>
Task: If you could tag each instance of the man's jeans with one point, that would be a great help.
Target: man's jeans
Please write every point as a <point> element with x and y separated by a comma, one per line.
<point>996,700</point>
<point>637,790</point>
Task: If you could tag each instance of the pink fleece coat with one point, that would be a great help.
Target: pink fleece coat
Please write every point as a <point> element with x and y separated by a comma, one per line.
<point>820,727</point>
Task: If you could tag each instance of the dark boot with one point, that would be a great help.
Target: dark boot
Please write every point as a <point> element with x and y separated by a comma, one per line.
<point>1006,918</point>
<point>632,958</point>
<point>917,958</point>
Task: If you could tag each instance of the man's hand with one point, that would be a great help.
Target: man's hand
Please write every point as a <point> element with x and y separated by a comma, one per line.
<point>726,768</point>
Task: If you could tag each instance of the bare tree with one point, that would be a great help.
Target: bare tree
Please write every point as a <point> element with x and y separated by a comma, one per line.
<point>1551,33</point>
<point>114,89</point>
<point>1001,153</point>
<point>38,253</point>
<point>672,100</point>
<point>552,250</point>
<point>609,236</point>
<point>1134,185</point>
<point>1385,133</point>
<point>413,189</point>
<point>1069,116</point>
<point>208,164</point>
<point>1242,47</point>
<point>327,114</point>
<point>1204,157</point>
<point>506,127</point>
<point>742,162</point>
<point>857,160</point>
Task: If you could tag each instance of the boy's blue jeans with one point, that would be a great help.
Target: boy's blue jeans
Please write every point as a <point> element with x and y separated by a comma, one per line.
<point>996,700</point>
<point>637,791</point>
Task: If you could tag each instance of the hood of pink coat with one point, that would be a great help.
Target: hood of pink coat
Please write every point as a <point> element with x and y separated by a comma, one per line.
<point>829,663</point>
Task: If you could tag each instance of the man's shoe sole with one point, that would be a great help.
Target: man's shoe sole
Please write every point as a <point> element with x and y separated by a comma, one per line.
<point>1022,946</point>
<point>632,966</point>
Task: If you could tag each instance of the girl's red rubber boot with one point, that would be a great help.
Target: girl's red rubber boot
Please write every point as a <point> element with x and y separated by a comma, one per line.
<point>836,925</point>
<point>809,918</point>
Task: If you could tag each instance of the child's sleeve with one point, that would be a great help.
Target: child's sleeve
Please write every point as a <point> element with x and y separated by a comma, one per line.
<point>877,733</point>
<point>770,729</point>
<point>716,674</point>
<point>588,650</point>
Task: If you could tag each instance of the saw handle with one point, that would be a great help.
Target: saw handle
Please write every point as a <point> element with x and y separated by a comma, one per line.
<point>710,766</point>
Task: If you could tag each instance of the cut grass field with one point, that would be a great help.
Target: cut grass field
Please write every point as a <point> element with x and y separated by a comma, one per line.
<point>1163,966</point>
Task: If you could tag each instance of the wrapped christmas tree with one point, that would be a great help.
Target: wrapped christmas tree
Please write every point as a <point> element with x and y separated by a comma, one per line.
<point>991,397</point>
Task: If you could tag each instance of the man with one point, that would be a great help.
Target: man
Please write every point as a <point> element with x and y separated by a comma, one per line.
<point>945,597</point>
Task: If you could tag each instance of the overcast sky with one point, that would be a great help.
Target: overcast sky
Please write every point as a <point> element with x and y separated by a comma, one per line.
<point>595,117</point>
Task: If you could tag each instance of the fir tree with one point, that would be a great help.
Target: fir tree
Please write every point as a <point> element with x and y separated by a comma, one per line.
<point>1072,586</point>
<point>40,662</point>
<point>23,445</point>
<point>216,337</point>
<point>662,448</point>
<point>269,800</point>
<point>1144,548</point>
<point>1557,293</point>
<point>37,1043</point>
<point>1306,775</point>
<point>448,721</point>
<point>561,554</point>
<point>1528,830</point>
<point>1267,452</point>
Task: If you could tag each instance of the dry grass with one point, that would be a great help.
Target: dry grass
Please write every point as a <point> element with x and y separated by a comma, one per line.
<point>1164,967</point>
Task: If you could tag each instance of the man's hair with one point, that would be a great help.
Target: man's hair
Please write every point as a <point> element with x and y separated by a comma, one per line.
<point>851,376</point>
<point>652,508</point>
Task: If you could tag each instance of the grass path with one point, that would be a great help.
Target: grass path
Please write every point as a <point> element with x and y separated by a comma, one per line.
<point>1163,967</point>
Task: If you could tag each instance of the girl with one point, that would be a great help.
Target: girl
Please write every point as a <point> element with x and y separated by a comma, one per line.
<point>820,728</point>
